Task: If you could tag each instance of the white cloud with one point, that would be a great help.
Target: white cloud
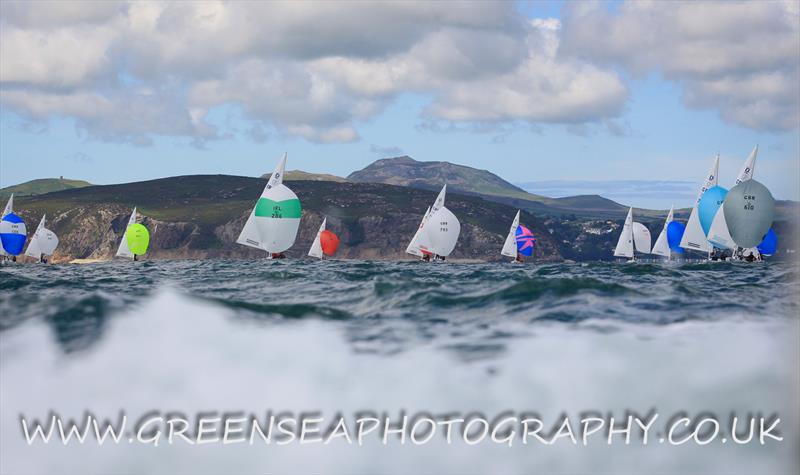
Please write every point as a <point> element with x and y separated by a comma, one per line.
<point>741,58</point>
<point>128,71</point>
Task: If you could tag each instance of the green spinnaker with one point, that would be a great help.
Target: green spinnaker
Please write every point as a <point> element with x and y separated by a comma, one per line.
<point>138,239</point>
<point>267,208</point>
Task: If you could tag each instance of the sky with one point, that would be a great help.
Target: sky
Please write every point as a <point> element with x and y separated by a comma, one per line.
<point>532,91</point>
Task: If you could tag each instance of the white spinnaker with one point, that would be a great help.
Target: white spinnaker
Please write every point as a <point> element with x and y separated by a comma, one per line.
<point>718,233</point>
<point>510,246</point>
<point>625,243</point>
<point>442,230</point>
<point>661,247</point>
<point>48,242</point>
<point>316,246</point>
<point>641,238</point>
<point>272,234</point>
<point>278,234</point>
<point>694,237</point>
<point>413,246</point>
<point>33,249</point>
<point>123,250</point>
<point>7,210</point>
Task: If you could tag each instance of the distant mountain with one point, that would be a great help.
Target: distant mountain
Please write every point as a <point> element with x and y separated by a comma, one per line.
<point>298,175</point>
<point>406,171</point>
<point>41,186</point>
<point>431,175</point>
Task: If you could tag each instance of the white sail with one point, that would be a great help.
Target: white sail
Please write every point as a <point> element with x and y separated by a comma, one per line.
<point>33,249</point>
<point>442,230</point>
<point>439,203</point>
<point>8,209</point>
<point>694,237</point>
<point>625,244</point>
<point>273,223</point>
<point>413,246</point>
<point>641,238</point>
<point>661,247</point>
<point>9,206</point>
<point>123,250</point>
<point>748,167</point>
<point>316,246</point>
<point>43,242</point>
<point>48,242</point>
<point>510,246</point>
<point>718,233</point>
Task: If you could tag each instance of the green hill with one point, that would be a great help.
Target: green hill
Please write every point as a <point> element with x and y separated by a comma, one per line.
<point>41,186</point>
<point>406,171</point>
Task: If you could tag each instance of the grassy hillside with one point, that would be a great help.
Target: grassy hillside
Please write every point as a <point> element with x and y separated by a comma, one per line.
<point>41,186</point>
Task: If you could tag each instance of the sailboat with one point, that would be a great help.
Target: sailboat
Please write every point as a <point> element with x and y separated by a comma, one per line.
<point>439,231</point>
<point>661,247</point>
<point>43,243</point>
<point>718,234</point>
<point>749,212</point>
<point>273,223</point>
<point>694,238</point>
<point>510,246</point>
<point>634,237</point>
<point>12,232</point>
<point>325,243</point>
<point>135,239</point>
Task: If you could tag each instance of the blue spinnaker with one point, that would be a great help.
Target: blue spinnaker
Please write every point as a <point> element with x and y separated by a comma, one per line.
<point>675,231</point>
<point>12,234</point>
<point>769,244</point>
<point>525,241</point>
<point>709,204</point>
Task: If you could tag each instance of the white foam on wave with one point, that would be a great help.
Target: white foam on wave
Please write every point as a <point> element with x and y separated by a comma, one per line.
<point>176,353</point>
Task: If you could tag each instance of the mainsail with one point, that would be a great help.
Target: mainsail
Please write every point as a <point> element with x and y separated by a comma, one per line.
<point>413,246</point>
<point>316,246</point>
<point>661,247</point>
<point>719,235</point>
<point>124,250</point>
<point>273,223</point>
<point>8,210</point>
<point>43,242</point>
<point>694,238</point>
<point>625,244</point>
<point>510,246</point>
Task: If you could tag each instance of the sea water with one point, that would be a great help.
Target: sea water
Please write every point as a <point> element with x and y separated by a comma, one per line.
<point>347,337</point>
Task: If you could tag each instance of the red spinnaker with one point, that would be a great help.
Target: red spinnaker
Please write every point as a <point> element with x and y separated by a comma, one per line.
<point>329,242</point>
